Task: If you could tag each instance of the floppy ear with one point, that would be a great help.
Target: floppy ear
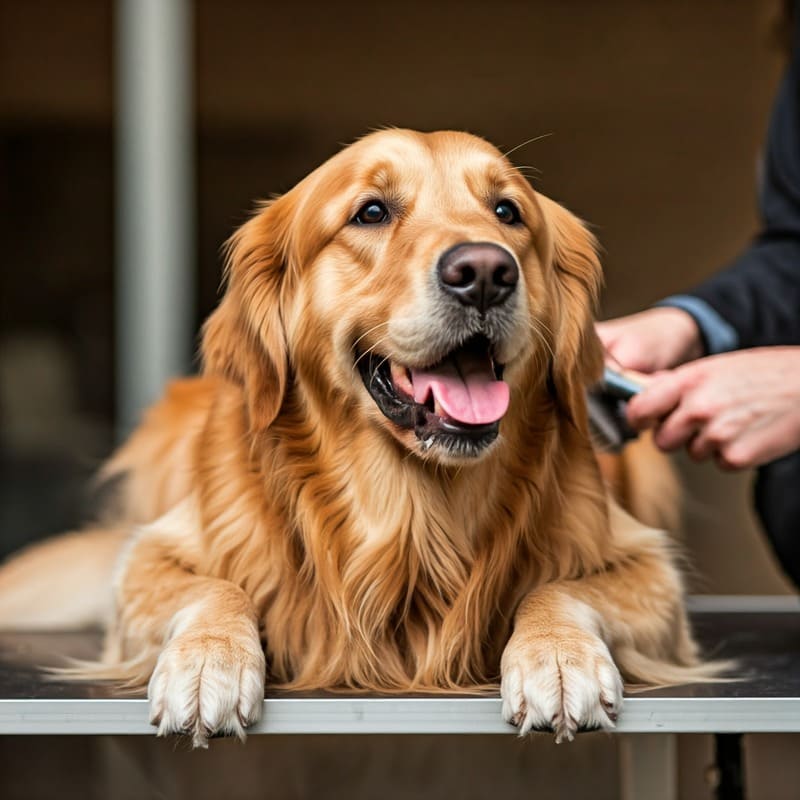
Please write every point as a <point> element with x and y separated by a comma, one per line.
<point>578,355</point>
<point>244,339</point>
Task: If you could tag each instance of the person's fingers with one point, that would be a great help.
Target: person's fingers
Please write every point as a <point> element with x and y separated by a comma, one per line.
<point>657,400</point>
<point>676,430</point>
<point>629,354</point>
<point>702,446</point>
<point>735,448</point>
<point>714,437</point>
<point>723,463</point>
<point>624,348</point>
<point>754,447</point>
<point>605,332</point>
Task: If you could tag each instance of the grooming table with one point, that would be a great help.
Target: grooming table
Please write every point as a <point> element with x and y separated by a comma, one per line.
<point>762,633</point>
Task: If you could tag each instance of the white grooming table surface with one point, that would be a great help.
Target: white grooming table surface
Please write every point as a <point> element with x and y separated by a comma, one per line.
<point>763,634</point>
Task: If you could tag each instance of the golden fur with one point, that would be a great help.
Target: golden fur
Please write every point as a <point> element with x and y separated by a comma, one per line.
<point>275,506</point>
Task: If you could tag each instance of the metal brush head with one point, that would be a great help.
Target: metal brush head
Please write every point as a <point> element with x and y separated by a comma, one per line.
<point>606,405</point>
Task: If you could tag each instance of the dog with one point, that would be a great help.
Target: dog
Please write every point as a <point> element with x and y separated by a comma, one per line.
<point>383,479</point>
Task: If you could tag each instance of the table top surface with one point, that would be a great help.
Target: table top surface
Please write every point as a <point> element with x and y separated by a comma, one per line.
<point>764,698</point>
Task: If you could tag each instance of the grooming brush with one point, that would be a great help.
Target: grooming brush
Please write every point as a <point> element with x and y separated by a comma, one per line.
<point>606,403</point>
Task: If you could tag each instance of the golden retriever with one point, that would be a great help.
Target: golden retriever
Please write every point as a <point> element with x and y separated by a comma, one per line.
<point>383,479</point>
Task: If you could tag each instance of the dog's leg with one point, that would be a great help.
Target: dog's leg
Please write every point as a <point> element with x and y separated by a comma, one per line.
<point>210,669</point>
<point>557,669</point>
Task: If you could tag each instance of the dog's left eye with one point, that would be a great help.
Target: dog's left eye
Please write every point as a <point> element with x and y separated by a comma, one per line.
<point>371,213</point>
<point>507,212</point>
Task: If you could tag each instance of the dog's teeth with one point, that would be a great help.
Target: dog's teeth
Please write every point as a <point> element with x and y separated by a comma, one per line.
<point>401,380</point>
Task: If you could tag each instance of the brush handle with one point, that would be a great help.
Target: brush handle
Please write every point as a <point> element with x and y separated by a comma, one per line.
<point>618,385</point>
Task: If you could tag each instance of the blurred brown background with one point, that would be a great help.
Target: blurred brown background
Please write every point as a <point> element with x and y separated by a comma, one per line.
<point>655,113</point>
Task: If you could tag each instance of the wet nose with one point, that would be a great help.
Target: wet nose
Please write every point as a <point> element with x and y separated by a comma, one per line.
<point>478,274</point>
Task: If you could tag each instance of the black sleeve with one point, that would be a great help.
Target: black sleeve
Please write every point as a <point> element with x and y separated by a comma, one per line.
<point>759,293</point>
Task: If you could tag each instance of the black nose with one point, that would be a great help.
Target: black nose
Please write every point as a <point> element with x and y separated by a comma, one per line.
<point>479,274</point>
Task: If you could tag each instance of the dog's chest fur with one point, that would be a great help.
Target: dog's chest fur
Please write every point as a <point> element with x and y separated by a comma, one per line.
<point>399,573</point>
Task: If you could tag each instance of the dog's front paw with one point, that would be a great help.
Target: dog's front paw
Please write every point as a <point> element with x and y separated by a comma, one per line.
<point>561,681</point>
<point>207,682</point>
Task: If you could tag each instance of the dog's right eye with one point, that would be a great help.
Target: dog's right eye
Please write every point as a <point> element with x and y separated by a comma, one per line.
<point>507,212</point>
<point>371,213</point>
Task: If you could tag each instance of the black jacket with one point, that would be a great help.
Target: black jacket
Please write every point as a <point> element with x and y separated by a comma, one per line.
<point>758,295</point>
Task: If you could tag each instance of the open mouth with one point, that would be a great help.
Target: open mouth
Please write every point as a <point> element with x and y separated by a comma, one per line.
<point>456,403</point>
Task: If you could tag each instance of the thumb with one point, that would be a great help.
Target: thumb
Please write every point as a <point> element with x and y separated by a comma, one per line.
<point>661,395</point>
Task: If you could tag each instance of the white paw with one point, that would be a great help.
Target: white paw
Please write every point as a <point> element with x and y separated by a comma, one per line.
<point>560,682</point>
<point>207,683</point>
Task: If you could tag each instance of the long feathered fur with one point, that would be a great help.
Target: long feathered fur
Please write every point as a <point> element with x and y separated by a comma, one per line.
<point>271,491</point>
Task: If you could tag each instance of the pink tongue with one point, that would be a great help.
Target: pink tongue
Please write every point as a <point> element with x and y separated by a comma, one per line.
<point>465,388</point>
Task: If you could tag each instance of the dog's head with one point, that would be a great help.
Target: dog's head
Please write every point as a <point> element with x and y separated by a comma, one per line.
<point>414,282</point>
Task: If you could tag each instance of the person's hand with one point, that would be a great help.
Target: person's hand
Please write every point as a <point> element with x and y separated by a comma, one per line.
<point>652,340</point>
<point>742,408</point>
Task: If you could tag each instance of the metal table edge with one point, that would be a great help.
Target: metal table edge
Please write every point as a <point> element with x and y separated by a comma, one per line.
<point>347,715</point>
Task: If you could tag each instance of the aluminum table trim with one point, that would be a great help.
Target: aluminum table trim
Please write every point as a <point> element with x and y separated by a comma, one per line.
<point>406,716</point>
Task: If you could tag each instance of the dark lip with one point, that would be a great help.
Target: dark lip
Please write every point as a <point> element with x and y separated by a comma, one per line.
<point>406,413</point>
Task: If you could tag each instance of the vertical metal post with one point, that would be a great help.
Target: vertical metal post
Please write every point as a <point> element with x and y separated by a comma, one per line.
<point>155,288</point>
<point>730,770</point>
